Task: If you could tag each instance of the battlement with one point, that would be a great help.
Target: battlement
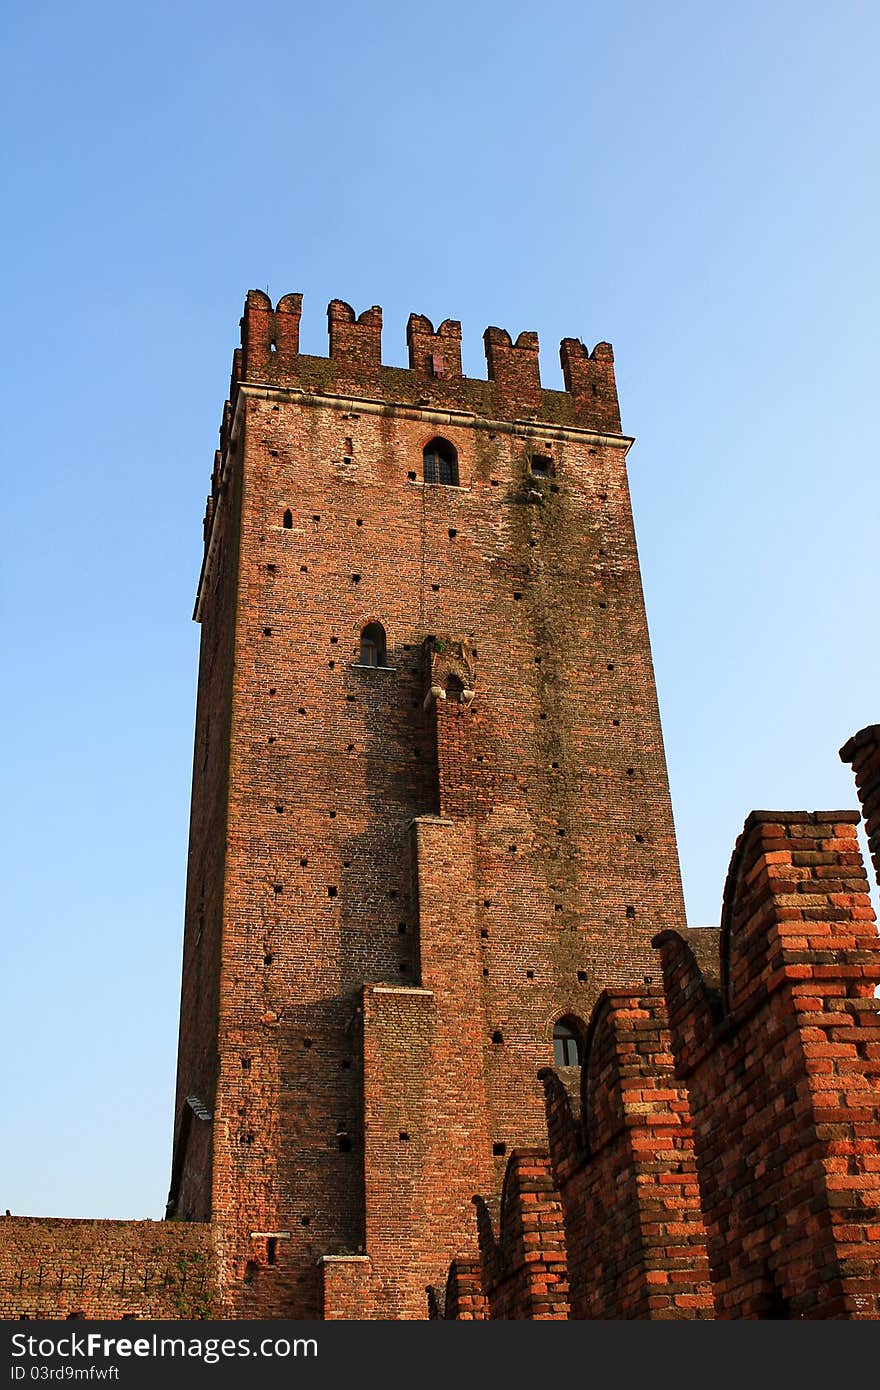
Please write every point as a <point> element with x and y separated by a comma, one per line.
<point>270,355</point>
<point>796,883</point>
<point>352,378</point>
<point>737,1128</point>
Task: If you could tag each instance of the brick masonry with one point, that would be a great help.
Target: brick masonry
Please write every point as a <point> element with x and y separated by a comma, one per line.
<point>782,1071</point>
<point>736,1127</point>
<point>402,875</point>
<point>524,1272</point>
<point>426,865</point>
<point>106,1269</point>
<point>862,751</point>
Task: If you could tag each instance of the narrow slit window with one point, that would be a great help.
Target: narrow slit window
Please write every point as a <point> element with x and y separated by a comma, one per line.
<point>373,645</point>
<point>440,463</point>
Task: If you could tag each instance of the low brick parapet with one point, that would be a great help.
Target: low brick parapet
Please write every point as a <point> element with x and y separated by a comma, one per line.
<point>57,1268</point>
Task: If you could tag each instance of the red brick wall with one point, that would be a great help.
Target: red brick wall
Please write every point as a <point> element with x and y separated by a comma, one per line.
<point>394,893</point>
<point>105,1269</point>
<point>725,1159</point>
<point>426,1142</point>
<point>626,1172</point>
<point>347,1287</point>
<point>863,752</point>
<point>190,1191</point>
<point>523,1271</point>
<point>558,772</point>
<point>463,1297</point>
<point>782,1074</point>
<point>609,1226</point>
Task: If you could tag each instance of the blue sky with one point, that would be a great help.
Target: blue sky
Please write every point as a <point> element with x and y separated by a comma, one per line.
<point>694,182</point>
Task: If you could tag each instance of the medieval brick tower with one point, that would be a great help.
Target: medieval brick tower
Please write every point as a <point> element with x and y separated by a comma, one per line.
<point>447,1047</point>
<point>430,817</point>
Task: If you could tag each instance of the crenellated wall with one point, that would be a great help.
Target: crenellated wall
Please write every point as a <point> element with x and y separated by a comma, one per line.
<point>782,1072</point>
<point>726,1162</point>
<point>270,353</point>
<point>523,1270</point>
<point>463,1299</point>
<point>607,1224</point>
<point>623,1161</point>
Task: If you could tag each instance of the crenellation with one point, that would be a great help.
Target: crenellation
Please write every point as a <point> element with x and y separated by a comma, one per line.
<point>739,1142</point>
<point>434,356</point>
<point>589,378</point>
<point>514,369</point>
<point>355,343</point>
<point>270,354</point>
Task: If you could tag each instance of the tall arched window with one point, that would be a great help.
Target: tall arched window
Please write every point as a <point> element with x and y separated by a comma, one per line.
<point>440,462</point>
<point>566,1043</point>
<point>373,645</point>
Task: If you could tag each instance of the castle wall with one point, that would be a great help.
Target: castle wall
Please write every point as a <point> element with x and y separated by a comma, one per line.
<point>401,876</point>
<point>607,1223</point>
<point>523,1272</point>
<point>426,1143</point>
<point>197,1061</point>
<point>782,1074</point>
<point>463,1299</point>
<point>726,1161</point>
<point>52,1268</point>
<point>624,1164</point>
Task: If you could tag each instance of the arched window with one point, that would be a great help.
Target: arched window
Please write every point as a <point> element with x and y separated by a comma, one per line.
<point>566,1043</point>
<point>373,645</point>
<point>440,462</point>
<point>454,688</point>
<point>288,519</point>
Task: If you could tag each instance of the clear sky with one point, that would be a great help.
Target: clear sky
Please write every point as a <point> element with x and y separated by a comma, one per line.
<point>695,182</point>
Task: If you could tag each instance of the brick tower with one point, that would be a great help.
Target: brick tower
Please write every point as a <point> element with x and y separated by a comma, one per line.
<point>430,813</point>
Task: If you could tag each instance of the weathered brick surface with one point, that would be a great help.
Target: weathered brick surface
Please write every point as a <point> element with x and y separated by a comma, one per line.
<point>725,1159</point>
<point>105,1269</point>
<point>862,751</point>
<point>782,1073</point>
<point>426,1142</point>
<point>464,1299</point>
<point>609,1225</point>
<point>347,1287</point>
<point>523,1269</point>
<point>305,898</point>
<point>626,1171</point>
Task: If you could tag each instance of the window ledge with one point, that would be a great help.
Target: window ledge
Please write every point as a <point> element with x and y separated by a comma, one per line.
<point>453,487</point>
<point>362,666</point>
